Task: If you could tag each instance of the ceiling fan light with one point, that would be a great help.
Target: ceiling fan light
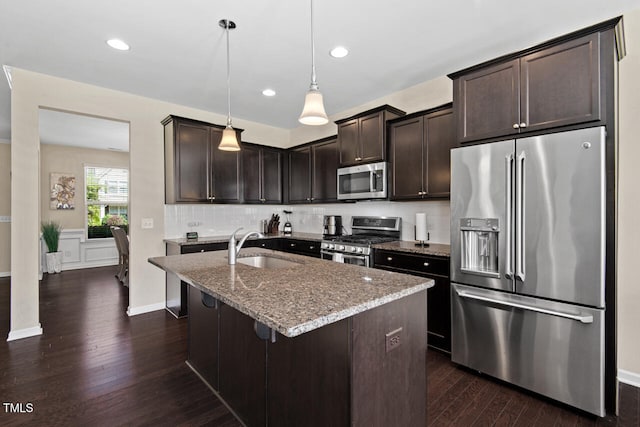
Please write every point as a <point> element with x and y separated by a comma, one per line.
<point>313,112</point>
<point>229,141</point>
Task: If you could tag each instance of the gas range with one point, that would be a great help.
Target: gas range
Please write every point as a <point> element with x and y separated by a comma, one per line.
<point>356,248</point>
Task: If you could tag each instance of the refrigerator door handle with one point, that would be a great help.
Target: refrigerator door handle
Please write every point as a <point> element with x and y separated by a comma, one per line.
<point>520,204</point>
<point>584,318</point>
<point>508,218</point>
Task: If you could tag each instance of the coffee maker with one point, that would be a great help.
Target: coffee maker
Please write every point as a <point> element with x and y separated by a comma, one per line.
<point>332,225</point>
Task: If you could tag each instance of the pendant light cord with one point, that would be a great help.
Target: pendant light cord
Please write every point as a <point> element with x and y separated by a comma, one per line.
<point>314,84</point>
<point>228,79</point>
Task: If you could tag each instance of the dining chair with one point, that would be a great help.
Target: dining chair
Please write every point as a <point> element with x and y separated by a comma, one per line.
<point>122,244</point>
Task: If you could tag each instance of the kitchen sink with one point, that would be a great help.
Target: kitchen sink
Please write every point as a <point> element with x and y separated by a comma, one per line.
<point>262,261</point>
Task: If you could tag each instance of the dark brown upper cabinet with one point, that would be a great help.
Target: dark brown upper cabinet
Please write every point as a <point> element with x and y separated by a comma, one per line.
<point>262,174</point>
<point>362,138</point>
<point>313,172</point>
<point>419,146</point>
<point>195,170</point>
<point>555,84</point>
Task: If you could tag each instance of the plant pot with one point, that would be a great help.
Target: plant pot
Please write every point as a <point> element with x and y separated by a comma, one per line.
<point>54,262</point>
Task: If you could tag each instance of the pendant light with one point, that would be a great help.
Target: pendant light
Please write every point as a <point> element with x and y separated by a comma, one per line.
<point>229,141</point>
<point>313,111</point>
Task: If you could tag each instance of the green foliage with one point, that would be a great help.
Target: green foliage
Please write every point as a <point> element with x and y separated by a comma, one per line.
<point>51,234</point>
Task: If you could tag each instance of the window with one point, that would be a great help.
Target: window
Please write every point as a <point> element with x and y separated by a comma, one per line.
<point>107,200</point>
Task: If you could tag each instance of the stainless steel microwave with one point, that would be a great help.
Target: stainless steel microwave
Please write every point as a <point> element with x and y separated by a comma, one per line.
<point>363,182</point>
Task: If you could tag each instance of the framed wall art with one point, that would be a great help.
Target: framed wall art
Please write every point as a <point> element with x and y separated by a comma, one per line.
<point>63,191</point>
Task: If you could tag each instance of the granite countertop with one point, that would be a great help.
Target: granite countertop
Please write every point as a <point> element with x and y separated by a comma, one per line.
<point>182,241</point>
<point>296,299</point>
<point>432,249</point>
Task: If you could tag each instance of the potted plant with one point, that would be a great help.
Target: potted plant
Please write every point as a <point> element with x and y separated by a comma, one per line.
<point>51,235</point>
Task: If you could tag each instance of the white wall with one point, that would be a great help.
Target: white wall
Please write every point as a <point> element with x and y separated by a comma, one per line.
<point>629,204</point>
<point>221,220</point>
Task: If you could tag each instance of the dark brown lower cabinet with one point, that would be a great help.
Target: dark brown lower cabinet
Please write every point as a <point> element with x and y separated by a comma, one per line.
<point>203,335</point>
<point>243,363</point>
<point>343,374</point>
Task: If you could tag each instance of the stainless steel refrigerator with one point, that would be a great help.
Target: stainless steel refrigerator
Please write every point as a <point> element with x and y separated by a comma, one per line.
<point>528,263</point>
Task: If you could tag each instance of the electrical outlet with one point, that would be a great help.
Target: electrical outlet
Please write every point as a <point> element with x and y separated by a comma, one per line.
<point>194,224</point>
<point>147,222</point>
<point>392,340</point>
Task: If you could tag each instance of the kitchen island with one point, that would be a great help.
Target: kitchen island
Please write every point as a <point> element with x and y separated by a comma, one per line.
<point>306,341</point>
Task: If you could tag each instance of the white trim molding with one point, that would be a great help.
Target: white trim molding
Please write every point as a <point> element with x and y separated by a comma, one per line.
<point>80,252</point>
<point>25,333</point>
<point>629,377</point>
<point>5,274</point>
<point>134,311</point>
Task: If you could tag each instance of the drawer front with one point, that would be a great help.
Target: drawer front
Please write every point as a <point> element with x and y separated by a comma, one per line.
<point>302,247</point>
<point>205,247</point>
<point>417,264</point>
<point>260,243</point>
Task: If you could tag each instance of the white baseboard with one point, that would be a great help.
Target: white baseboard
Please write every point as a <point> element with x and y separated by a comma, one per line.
<point>629,377</point>
<point>5,274</point>
<point>25,333</point>
<point>134,311</point>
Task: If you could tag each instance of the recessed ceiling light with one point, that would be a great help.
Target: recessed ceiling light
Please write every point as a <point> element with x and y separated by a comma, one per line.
<point>339,52</point>
<point>118,44</point>
<point>269,92</point>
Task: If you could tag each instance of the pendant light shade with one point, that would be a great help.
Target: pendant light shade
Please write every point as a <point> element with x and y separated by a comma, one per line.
<point>229,141</point>
<point>313,111</point>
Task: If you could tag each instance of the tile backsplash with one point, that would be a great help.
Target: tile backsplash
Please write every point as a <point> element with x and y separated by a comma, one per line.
<point>219,220</point>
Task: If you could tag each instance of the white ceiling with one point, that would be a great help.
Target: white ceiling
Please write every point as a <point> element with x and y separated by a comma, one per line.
<point>178,50</point>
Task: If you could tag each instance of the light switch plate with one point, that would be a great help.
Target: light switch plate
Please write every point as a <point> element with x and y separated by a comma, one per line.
<point>147,222</point>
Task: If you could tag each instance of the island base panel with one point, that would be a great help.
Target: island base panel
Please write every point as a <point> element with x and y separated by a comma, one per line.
<point>389,377</point>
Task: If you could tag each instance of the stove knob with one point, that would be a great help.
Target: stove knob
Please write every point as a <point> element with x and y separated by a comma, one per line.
<point>324,245</point>
<point>340,247</point>
<point>352,249</point>
<point>360,250</point>
<point>331,246</point>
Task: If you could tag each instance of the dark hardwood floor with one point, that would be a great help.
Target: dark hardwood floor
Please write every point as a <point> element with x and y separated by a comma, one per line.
<point>95,366</point>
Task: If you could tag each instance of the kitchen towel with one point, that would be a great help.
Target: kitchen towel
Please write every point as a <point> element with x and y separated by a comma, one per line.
<point>421,227</point>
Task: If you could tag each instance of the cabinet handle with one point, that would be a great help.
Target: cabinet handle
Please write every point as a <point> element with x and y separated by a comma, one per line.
<point>308,199</point>
<point>313,198</point>
<point>263,200</point>
<point>358,159</point>
<point>389,258</point>
<point>426,264</point>
<point>293,245</point>
<point>523,125</point>
<point>213,197</point>
<point>420,193</point>
<point>201,250</point>
<point>311,247</point>
<point>516,126</point>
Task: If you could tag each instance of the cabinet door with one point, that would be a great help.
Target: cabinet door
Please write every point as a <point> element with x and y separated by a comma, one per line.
<point>406,159</point>
<point>561,85</point>
<point>251,174</point>
<point>191,162</point>
<point>226,171</point>
<point>487,102</point>
<point>372,139</point>
<point>242,366</point>
<point>439,137</point>
<point>300,175</point>
<point>348,142</point>
<point>325,167</point>
<point>271,176</point>
<point>203,336</point>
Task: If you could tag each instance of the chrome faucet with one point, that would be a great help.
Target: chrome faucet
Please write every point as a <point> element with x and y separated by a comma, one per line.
<point>235,249</point>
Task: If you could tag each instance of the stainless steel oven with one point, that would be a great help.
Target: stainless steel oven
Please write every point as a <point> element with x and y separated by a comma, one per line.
<point>356,248</point>
<point>345,258</point>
